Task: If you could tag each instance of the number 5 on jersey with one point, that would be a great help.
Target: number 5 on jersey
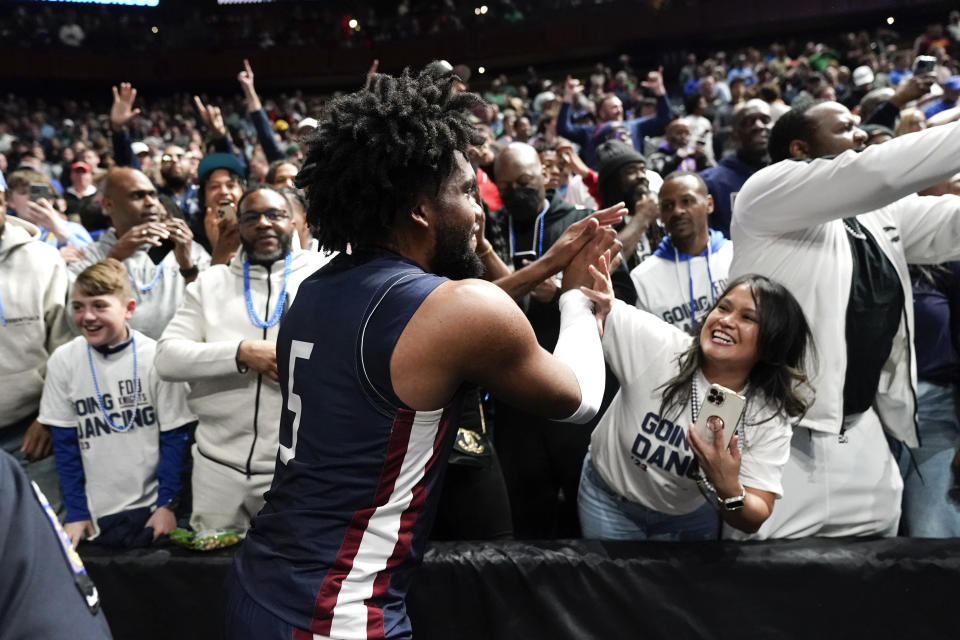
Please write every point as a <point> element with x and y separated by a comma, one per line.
<point>288,435</point>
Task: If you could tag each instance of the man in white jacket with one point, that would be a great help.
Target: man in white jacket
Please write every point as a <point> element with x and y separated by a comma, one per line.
<point>33,292</point>
<point>222,341</point>
<point>837,226</point>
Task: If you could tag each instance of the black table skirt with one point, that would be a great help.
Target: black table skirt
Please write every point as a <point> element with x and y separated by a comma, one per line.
<point>579,589</point>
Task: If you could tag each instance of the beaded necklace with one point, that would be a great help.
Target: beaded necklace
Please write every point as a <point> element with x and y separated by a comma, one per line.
<point>136,395</point>
<point>156,278</point>
<point>251,312</point>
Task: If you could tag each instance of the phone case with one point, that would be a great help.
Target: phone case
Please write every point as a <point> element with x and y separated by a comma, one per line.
<point>720,411</point>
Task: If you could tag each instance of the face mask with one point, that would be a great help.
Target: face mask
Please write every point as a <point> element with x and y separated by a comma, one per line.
<point>523,203</point>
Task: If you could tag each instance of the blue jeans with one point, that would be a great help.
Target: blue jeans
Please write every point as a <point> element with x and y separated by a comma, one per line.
<point>606,515</point>
<point>929,510</point>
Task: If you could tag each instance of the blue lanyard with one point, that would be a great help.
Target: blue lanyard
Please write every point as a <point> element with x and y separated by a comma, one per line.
<point>156,278</point>
<point>251,312</point>
<point>136,391</point>
<point>693,300</point>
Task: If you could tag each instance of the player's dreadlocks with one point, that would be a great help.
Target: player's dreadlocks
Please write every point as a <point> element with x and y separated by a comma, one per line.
<point>377,149</point>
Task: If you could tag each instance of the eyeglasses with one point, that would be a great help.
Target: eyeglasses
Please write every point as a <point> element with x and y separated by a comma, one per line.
<point>248,218</point>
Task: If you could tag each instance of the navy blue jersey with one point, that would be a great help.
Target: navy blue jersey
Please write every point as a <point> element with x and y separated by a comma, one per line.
<point>44,588</point>
<point>358,472</point>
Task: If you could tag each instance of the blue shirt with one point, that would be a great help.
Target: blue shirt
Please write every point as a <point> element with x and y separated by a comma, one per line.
<point>724,181</point>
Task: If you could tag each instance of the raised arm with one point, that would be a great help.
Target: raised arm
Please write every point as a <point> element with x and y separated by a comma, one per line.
<point>485,339</point>
<point>258,116</point>
<point>793,194</point>
<point>559,255</point>
<point>122,113</point>
<point>580,134</point>
<point>656,124</point>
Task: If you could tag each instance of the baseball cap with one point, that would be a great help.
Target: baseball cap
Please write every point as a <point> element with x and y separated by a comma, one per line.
<point>215,161</point>
<point>139,147</point>
<point>308,123</point>
<point>862,75</point>
<point>81,166</point>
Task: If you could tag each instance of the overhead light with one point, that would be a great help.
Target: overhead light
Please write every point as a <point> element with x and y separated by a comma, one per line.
<point>483,9</point>
<point>353,24</point>
<point>481,69</point>
<point>890,20</point>
<point>154,30</point>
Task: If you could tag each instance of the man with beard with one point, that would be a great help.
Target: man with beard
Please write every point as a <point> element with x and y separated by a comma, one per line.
<point>140,226</point>
<point>681,280</point>
<point>837,226</point>
<point>174,170</point>
<point>374,355</point>
<point>751,131</point>
<point>223,342</point>
<point>623,177</point>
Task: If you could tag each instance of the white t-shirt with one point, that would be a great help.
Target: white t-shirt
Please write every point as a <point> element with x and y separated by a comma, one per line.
<point>646,458</point>
<point>119,467</point>
<point>663,285</point>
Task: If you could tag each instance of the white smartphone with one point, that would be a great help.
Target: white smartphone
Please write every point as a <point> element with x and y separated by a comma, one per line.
<point>720,411</point>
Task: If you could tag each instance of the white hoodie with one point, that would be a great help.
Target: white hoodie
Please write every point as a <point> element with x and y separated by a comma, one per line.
<point>787,225</point>
<point>238,413</point>
<point>33,292</point>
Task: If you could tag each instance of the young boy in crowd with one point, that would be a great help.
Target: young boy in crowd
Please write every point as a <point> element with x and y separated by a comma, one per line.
<point>120,432</point>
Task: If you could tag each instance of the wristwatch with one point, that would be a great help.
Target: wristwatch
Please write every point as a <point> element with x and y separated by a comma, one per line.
<point>735,503</point>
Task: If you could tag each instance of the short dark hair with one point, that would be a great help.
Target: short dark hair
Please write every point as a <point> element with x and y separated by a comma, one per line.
<point>376,150</point>
<point>795,124</point>
<point>264,187</point>
<point>676,175</point>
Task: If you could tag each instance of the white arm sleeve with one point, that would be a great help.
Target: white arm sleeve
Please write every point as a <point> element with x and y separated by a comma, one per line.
<point>579,348</point>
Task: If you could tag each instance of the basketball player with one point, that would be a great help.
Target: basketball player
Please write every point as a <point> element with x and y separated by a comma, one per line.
<point>373,356</point>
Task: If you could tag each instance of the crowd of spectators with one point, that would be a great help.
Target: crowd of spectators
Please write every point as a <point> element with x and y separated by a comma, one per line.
<point>554,148</point>
<point>251,27</point>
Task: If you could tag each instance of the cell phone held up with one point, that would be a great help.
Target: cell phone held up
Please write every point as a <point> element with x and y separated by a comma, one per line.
<point>158,252</point>
<point>227,210</point>
<point>39,190</point>
<point>924,65</point>
<point>720,412</point>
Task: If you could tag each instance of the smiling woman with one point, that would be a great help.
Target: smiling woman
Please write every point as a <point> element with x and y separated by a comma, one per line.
<point>642,474</point>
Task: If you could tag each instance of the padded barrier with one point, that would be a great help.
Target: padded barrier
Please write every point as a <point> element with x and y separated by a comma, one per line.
<point>581,589</point>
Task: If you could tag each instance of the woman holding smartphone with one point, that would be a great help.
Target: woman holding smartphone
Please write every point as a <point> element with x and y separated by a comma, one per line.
<point>646,475</point>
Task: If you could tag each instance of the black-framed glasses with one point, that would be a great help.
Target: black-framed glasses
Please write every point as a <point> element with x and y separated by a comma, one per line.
<point>248,218</point>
